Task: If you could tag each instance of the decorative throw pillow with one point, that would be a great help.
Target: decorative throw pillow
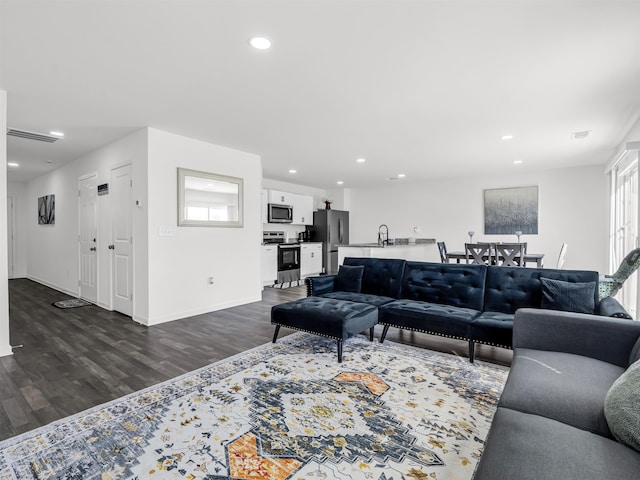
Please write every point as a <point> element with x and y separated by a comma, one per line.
<point>568,296</point>
<point>349,278</point>
<point>622,407</point>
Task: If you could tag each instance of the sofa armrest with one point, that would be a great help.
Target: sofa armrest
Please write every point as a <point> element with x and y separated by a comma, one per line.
<point>610,307</point>
<point>603,338</point>
<point>319,285</point>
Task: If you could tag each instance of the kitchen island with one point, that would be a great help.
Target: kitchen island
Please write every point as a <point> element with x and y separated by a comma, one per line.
<point>424,250</point>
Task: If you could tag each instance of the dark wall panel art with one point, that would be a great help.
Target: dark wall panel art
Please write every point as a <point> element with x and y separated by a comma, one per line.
<point>507,210</point>
<point>47,210</point>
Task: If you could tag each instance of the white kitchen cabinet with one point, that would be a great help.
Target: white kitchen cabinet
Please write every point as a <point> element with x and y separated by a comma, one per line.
<point>310,259</point>
<point>302,209</point>
<point>302,205</point>
<point>269,264</point>
<point>280,198</point>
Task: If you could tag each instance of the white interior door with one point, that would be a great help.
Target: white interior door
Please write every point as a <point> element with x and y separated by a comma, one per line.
<point>122,239</point>
<point>88,225</point>
<point>10,224</point>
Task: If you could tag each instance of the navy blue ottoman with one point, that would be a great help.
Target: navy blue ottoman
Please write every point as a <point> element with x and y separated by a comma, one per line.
<point>329,317</point>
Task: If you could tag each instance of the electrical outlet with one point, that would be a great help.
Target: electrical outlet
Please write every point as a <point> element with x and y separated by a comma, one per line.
<point>211,281</point>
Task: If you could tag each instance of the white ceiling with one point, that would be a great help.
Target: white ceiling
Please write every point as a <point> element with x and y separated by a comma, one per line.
<point>424,88</point>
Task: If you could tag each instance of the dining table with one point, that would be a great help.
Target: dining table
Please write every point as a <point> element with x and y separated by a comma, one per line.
<point>528,258</point>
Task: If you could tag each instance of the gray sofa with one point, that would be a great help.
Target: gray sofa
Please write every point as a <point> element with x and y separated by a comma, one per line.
<point>550,422</point>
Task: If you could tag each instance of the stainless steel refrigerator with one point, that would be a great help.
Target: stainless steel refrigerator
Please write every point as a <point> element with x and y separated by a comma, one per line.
<point>331,227</point>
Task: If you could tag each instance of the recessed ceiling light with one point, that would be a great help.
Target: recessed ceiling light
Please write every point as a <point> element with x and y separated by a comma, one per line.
<point>56,134</point>
<point>339,182</point>
<point>517,162</point>
<point>361,160</point>
<point>292,171</point>
<point>13,164</point>
<point>260,43</point>
<point>506,137</point>
<point>401,175</point>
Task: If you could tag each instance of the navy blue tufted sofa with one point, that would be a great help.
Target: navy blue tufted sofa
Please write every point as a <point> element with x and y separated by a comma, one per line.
<point>475,303</point>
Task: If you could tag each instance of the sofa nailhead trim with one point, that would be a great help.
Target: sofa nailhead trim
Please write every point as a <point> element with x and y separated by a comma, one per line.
<point>493,344</point>
<point>445,335</point>
<point>424,331</point>
<point>308,331</point>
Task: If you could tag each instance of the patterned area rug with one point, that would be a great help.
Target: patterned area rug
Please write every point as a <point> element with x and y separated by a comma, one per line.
<point>283,411</point>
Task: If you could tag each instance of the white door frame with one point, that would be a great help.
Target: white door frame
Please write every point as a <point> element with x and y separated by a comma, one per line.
<point>11,240</point>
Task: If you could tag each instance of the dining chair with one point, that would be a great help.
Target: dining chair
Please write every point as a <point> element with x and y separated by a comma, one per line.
<point>442,248</point>
<point>563,252</point>
<point>510,254</point>
<point>479,253</point>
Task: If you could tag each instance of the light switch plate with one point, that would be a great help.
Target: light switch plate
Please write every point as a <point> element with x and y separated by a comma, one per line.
<point>167,231</point>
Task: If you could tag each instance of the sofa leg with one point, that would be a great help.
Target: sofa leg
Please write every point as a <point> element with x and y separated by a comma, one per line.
<point>472,350</point>
<point>339,351</point>
<point>384,333</point>
<point>371,334</point>
<point>275,334</point>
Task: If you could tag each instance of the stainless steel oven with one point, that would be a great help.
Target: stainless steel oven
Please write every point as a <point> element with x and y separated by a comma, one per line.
<point>288,263</point>
<point>279,213</point>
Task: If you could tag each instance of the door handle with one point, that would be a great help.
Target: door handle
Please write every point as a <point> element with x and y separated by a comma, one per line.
<point>112,247</point>
<point>93,249</point>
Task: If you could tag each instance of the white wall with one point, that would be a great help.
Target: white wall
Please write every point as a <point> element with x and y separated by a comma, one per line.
<point>318,194</point>
<point>18,191</point>
<point>5,346</point>
<point>180,266</point>
<point>573,208</point>
<point>170,273</point>
<point>634,133</point>
<point>52,257</point>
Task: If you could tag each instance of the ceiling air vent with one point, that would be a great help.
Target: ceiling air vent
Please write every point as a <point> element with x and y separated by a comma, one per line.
<point>40,137</point>
<point>580,135</point>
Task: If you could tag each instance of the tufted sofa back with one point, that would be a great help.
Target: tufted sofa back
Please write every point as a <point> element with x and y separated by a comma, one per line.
<point>381,276</point>
<point>510,288</point>
<point>448,284</point>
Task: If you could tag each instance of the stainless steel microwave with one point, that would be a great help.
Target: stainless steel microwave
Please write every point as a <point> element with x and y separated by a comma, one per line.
<point>280,213</point>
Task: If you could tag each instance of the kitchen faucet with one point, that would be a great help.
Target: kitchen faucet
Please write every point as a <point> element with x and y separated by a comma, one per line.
<point>386,234</point>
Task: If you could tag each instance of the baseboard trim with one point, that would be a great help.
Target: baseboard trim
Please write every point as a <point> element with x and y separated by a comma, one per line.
<point>6,351</point>
<point>141,320</point>
<point>198,311</point>
<point>54,286</point>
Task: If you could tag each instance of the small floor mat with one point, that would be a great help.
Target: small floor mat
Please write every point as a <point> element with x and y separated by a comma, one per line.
<point>71,303</point>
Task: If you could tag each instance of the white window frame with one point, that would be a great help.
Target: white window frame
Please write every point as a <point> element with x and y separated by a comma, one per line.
<point>624,221</point>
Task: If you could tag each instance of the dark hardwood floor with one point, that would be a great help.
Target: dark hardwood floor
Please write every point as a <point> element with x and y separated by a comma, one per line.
<point>73,359</point>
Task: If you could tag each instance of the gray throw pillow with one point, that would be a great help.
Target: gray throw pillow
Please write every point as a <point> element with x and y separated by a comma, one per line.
<point>568,296</point>
<point>349,279</point>
<point>622,407</point>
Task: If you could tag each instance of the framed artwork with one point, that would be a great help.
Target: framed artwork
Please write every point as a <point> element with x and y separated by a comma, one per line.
<point>510,210</point>
<point>47,210</point>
